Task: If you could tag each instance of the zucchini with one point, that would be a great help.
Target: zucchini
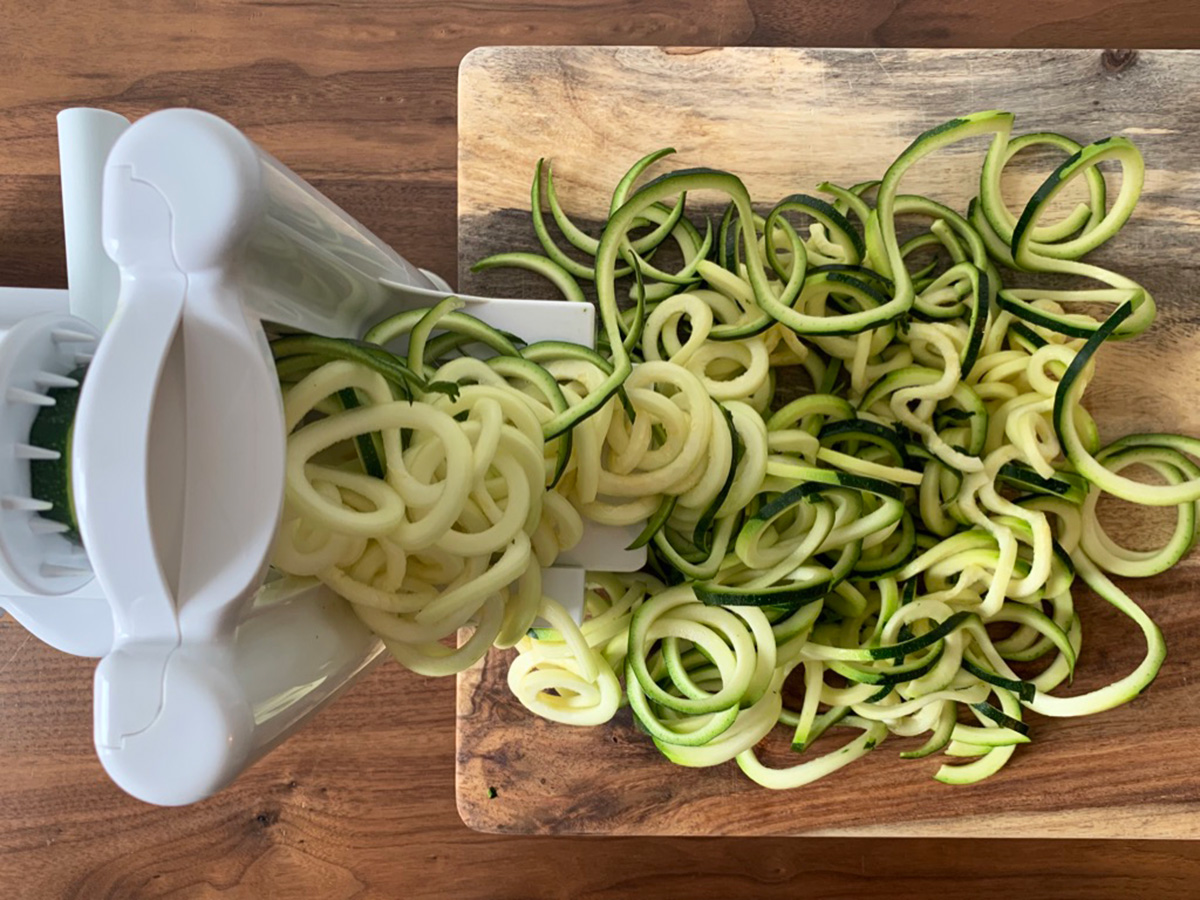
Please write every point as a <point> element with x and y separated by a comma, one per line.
<point>939,476</point>
<point>50,479</point>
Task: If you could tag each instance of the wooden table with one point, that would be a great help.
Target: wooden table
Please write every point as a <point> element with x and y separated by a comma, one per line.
<point>360,98</point>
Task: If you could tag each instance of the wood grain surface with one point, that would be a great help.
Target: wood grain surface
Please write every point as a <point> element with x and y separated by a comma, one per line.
<point>784,120</point>
<point>360,97</point>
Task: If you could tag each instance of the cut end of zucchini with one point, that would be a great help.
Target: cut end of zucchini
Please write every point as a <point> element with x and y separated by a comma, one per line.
<point>50,477</point>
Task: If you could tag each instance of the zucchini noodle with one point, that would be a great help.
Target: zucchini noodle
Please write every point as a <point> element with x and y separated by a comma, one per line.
<point>889,539</point>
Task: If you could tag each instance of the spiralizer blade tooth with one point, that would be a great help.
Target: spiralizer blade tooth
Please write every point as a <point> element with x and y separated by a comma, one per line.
<point>38,525</point>
<point>25,504</point>
<point>29,451</point>
<point>69,336</point>
<point>20,395</point>
<point>47,380</point>
<point>53,570</point>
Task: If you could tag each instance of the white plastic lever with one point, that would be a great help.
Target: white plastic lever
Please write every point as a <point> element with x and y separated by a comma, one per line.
<point>85,136</point>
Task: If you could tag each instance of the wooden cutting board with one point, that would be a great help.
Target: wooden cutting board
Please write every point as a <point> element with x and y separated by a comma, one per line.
<point>784,120</point>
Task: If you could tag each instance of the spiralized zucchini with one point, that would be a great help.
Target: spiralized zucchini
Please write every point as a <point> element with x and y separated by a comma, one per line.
<point>895,530</point>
